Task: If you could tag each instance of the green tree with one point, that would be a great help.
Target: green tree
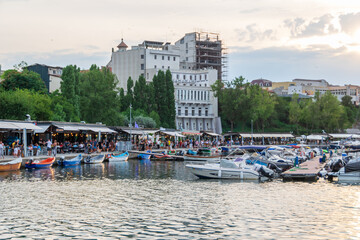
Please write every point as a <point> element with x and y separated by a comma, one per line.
<point>23,80</point>
<point>170,100</point>
<point>70,87</point>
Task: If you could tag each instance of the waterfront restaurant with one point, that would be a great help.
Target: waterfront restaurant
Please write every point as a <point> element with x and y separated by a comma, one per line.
<point>258,138</point>
<point>72,132</point>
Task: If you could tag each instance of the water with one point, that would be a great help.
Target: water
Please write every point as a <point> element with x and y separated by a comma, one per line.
<point>162,200</point>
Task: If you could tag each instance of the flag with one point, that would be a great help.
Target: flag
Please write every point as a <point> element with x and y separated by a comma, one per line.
<point>136,125</point>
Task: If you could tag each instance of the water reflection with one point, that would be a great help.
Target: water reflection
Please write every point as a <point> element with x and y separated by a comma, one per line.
<point>162,200</point>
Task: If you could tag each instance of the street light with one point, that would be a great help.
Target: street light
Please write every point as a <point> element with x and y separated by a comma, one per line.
<point>252,131</point>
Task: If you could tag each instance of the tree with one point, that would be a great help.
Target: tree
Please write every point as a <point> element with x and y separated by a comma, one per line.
<point>98,96</point>
<point>23,80</point>
<point>70,87</point>
<point>170,99</point>
<point>161,97</point>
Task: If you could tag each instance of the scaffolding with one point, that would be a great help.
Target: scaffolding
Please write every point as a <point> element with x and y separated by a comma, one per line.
<point>210,53</point>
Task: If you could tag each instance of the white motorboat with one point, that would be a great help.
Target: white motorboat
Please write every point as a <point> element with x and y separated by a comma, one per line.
<point>195,158</point>
<point>351,172</point>
<point>95,159</point>
<point>228,169</point>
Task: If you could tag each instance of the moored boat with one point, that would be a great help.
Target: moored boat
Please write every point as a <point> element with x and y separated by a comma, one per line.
<point>11,166</point>
<point>70,162</point>
<point>188,157</point>
<point>40,164</point>
<point>228,169</point>
<point>144,156</point>
<point>95,159</point>
<point>118,158</point>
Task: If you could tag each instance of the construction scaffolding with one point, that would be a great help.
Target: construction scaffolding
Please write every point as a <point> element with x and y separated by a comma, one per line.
<point>210,53</point>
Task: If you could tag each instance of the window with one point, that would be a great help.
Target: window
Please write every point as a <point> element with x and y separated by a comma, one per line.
<point>162,57</point>
<point>142,66</point>
<point>155,57</point>
<point>177,76</point>
<point>201,95</point>
<point>182,96</point>
<point>208,93</point>
<point>186,111</point>
<point>207,126</point>
<point>206,112</point>
<point>198,95</point>
<point>200,77</point>
<point>191,95</point>
<point>205,76</point>
<point>186,45</point>
<point>199,111</point>
<point>187,59</point>
<point>190,77</point>
<point>194,126</point>
<point>168,67</point>
<point>147,75</point>
<point>179,111</point>
<point>142,56</point>
<point>162,67</point>
<point>195,77</point>
<point>174,58</point>
<point>188,97</point>
<point>193,111</point>
<point>184,77</point>
<point>168,58</point>
<point>155,66</point>
<point>54,71</point>
<point>187,51</point>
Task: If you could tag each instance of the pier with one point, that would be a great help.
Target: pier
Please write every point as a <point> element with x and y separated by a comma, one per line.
<point>307,171</point>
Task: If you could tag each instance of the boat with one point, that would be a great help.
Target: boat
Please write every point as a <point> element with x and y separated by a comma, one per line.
<point>191,152</point>
<point>350,172</point>
<point>95,159</point>
<point>161,156</point>
<point>188,157</point>
<point>70,162</point>
<point>145,156</point>
<point>118,158</point>
<point>11,165</point>
<point>228,169</point>
<point>40,164</point>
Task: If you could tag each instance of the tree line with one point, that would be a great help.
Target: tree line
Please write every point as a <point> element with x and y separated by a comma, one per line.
<point>242,104</point>
<point>90,96</point>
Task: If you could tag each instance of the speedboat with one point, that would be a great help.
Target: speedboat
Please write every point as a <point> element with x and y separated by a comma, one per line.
<point>228,169</point>
<point>118,158</point>
<point>11,165</point>
<point>350,172</point>
<point>70,162</point>
<point>192,158</point>
<point>40,164</point>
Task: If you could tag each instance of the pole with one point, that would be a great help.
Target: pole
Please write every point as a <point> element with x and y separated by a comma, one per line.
<point>252,131</point>
<point>24,142</point>
<point>130,128</point>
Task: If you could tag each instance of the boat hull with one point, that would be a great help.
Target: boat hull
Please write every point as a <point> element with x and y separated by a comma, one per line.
<point>10,167</point>
<point>95,160</point>
<point>118,159</point>
<point>223,173</point>
<point>143,156</point>
<point>47,163</point>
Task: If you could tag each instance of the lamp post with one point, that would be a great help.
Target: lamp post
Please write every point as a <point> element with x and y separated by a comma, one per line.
<point>130,127</point>
<point>252,131</point>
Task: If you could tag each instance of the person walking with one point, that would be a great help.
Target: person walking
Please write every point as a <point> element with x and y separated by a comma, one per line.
<point>55,147</point>
<point>48,147</point>
<point>1,150</point>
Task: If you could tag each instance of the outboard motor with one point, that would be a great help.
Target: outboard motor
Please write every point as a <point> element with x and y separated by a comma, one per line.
<point>274,167</point>
<point>266,172</point>
<point>62,159</point>
<point>336,165</point>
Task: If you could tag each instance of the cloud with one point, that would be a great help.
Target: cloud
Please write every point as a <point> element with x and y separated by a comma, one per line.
<point>316,27</point>
<point>253,33</point>
<point>285,63</point>
<point>60,58</point>
<point>350,22</point>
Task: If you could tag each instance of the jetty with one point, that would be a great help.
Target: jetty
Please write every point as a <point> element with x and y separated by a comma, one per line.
<point>306,171</point>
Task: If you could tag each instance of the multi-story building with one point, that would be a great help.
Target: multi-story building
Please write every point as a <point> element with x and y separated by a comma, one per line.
<point>348,90</point>
<point>196,105</point>
<point>1,73</point>
<point>50,75</point>
<point>203,50</point>
<point>138,60</point>
<point>263,83</point>
<point>313,83</point>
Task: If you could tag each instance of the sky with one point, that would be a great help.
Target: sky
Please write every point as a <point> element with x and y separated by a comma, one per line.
<point>272,39</point>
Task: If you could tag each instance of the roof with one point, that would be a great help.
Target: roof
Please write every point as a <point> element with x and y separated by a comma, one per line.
<point>38,64</point>
<point>308,80</point>
<point>17,125</point>
<point>267,135</point>
<point>122,44</point>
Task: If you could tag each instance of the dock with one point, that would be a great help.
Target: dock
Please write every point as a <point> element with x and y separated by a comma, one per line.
<point>307,171</point>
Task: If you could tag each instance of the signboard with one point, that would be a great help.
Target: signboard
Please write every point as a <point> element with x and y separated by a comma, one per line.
<point>59,130</point>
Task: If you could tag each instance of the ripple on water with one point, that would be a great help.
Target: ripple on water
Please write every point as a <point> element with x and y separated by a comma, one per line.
<point>132,201</point>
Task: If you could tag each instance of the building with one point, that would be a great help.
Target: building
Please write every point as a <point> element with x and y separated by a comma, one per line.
<point>50,75</point>
<point>1,73</point>
<point>203,50</point>
<point>196,106</point>
<point>138,60</point>
<point>263,83</point>
<point>313,83</point>
<point>348,90</point>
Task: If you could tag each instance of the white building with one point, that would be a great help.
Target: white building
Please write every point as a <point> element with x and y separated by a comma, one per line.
<point>138,60</point>
<point>348,90</point>
<point>196,106</point>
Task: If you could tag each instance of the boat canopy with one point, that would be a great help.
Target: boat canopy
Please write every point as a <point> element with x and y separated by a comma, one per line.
<point>344,135</point>
<point>225,163</point>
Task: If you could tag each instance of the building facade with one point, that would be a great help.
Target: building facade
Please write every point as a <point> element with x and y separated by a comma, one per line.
<point>196,105</point>
<point>348,90</point>
<point>50,75</point>
<point>203,50</point>
<point>140,60</point>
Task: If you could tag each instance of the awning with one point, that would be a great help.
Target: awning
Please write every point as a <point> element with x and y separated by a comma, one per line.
<point>191,133</point>
<point>137,131</point>
<point>43,128</point>
<point>344,135</point>
<point>174,134</point>
<point>18,125</point>
<point>211,134</point>
<point>315,137</point>
<point>97,129</point>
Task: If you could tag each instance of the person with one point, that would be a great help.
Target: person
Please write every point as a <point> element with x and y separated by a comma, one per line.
<point>1,150</point>
<point>48,146</point>
<point>55,148</point>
